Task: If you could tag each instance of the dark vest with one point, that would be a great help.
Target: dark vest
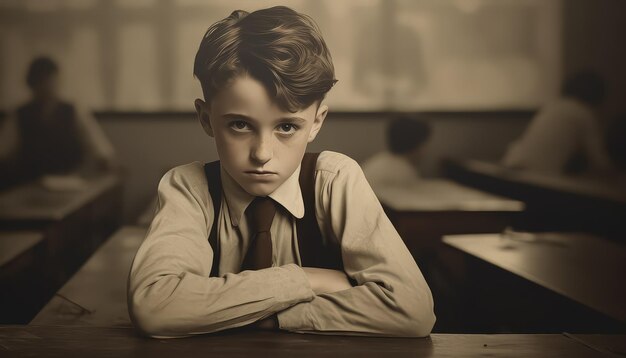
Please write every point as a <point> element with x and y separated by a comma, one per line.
<point>314,251</point>
<point>48,145</point>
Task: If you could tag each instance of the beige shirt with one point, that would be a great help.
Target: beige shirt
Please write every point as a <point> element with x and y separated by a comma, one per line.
<point>170,292</point>
<point>559,131</point>
<point>387,169</point>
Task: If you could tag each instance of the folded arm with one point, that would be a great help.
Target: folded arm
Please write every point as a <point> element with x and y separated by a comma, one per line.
<point>391,297</point>
<point>170,292</point>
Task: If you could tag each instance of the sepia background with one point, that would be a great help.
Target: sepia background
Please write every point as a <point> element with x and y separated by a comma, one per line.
<point>480,66</point>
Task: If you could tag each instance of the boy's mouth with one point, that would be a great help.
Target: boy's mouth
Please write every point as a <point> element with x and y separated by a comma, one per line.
<point>260,172</point>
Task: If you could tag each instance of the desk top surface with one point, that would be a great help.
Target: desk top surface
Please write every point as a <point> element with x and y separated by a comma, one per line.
<point>64,341</point>
<point>587,269</point>
<point>96,294</point>
<point>444,195</point>
<point>35,202</point>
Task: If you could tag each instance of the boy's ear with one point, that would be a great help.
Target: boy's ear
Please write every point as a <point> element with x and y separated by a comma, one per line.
<point>202,109</point>
<point>322,111</point>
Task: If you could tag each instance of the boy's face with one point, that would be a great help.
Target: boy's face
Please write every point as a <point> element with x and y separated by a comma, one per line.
<point>259,144</point>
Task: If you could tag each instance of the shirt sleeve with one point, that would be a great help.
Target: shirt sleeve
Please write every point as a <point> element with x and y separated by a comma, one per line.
<point>391,297</point>
<point>170,292</point>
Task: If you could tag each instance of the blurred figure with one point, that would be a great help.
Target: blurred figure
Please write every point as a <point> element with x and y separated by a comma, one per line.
<point>564,137</point>
<point>49,136</point>
<point>398,166</point>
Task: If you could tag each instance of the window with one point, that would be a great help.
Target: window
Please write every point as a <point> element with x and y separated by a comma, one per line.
<point>388,54</point>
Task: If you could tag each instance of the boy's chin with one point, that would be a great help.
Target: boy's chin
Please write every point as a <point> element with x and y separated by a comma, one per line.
<point>260,189</point>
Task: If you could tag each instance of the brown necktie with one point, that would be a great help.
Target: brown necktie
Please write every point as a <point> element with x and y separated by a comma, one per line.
<point>260,214</point>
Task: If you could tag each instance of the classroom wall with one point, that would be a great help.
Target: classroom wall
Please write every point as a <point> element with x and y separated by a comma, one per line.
<point>148,147</point>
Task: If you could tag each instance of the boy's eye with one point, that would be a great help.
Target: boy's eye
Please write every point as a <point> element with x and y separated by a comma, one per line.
<point>240,126</point>
<point>287,128</point>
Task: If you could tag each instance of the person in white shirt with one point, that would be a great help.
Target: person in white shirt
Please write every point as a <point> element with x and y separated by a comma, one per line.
<point>565,137</point>
<point>398,166</point>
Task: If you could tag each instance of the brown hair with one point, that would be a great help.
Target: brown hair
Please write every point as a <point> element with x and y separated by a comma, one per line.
<point>278,46</point>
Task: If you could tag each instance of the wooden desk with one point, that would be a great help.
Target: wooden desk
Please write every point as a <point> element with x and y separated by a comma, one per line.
<point>425,212</point>
<point>32,204</point>
<point>436,207</point>
<point>586,269</point>
<point>553,203</point>
<point>96,294</point>
<point>73,222</point>
<point>123,342</point>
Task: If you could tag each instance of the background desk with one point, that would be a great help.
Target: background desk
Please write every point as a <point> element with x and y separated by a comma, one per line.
<point>436,207</point>
<point>73,224</point>
<point>553,203</point>
<point>32,204</point>
<point>583,269</point>
<point>96,294</point>
<point>123,342</point>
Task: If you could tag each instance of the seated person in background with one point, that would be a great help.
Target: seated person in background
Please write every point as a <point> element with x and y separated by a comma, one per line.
<point>270,236</point>
<point>49,136</point>
<point>565,137</point>
<point>398,166</point>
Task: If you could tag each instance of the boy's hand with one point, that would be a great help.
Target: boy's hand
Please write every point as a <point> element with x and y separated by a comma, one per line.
<point>326,281</point>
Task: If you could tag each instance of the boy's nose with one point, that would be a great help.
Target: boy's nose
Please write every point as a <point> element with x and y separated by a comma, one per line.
<point>262,152</point>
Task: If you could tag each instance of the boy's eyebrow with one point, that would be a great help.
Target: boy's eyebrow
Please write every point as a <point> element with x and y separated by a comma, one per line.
<point>296,119</point>
<point>238,116</point>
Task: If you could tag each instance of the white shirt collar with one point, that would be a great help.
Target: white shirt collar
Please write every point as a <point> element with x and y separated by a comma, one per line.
<point>288,195</point>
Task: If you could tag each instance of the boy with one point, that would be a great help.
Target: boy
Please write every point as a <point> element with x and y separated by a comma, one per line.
<point>398,166</point>
<point>264,76</point>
